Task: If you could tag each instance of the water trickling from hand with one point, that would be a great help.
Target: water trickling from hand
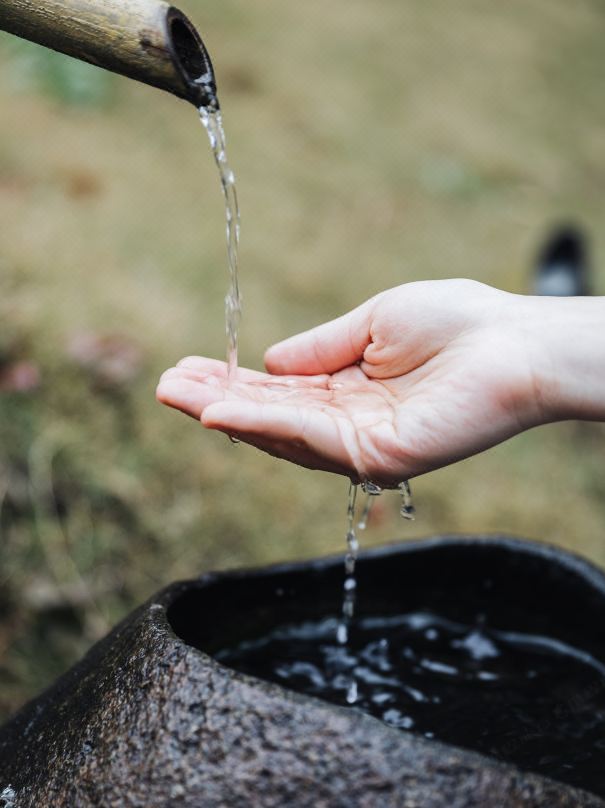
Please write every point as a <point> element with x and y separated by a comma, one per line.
<point>407,510</point>
<point>350,583</point>
<point>371,491</point>
<point>213,123</point>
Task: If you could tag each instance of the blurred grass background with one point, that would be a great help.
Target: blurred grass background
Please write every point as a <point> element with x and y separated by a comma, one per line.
<point>374,143</point>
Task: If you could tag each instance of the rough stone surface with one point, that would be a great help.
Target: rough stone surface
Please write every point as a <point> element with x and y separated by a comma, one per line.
<point>146,720</point>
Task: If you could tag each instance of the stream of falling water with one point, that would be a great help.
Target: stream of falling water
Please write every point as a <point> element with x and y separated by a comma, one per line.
<point>213,123</point>
<point>407,511</point>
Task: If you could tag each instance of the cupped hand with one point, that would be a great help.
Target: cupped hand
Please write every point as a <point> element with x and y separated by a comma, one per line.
<point>415,378</point>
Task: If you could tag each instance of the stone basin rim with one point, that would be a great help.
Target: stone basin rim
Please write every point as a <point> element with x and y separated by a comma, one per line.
<point>532,548</point>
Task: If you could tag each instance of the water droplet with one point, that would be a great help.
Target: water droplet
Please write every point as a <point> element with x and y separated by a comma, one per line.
<point>348,609</point>
<point>396,719</point>
<point>407,507</point>
<point>371,488</point>
<point>342,634</point>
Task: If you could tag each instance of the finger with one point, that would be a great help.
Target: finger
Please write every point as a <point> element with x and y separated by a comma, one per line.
<point>326,349</point>
<point>190,391</point>
<point>200,367</point>
<point>189,396</point>
<point>297,430</point>
<point>269,388</point>
<point>204,365</point>
<point>185,373</point>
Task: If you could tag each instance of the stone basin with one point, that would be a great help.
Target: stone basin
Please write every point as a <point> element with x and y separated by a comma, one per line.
<point>150,718</point>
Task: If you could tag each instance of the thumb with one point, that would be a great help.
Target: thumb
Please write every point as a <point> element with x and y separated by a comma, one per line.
<point>327,348</point>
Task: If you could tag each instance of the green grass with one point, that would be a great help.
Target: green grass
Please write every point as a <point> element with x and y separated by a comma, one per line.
<point>374,143</point>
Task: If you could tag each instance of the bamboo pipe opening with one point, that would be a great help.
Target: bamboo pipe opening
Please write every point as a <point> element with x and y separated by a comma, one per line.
<point>191,58</point>
<point>146,40</point>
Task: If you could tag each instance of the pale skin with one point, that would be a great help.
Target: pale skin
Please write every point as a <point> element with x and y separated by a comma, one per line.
<point>415,378</point>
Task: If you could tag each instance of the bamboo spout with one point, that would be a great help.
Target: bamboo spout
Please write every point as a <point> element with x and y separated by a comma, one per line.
<point>146,40</point>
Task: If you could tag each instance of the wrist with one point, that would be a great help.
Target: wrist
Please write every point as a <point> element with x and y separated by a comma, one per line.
<point>565,340</point>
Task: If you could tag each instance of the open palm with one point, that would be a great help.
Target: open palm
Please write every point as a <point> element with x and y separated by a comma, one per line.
<point>414,379</point>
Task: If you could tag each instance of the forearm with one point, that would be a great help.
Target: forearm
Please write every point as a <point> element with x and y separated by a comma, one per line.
<point>566,340</point>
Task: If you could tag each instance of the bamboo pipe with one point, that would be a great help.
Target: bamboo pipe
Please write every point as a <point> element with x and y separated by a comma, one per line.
<point>146,40</point>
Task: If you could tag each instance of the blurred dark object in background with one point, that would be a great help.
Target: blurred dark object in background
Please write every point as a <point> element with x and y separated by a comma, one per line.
<point>563,267</point>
